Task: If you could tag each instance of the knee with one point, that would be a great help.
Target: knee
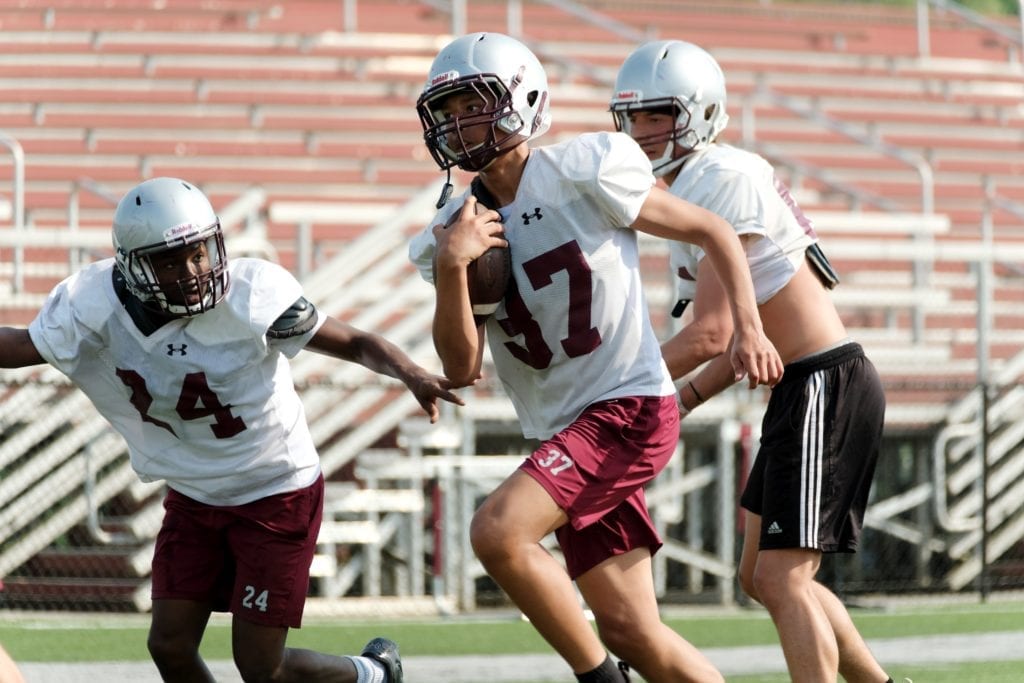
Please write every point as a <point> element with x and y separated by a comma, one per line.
<point>489,540</point>
<point>626,634</point>
<point>254,668</point>
<point>170,652</point>
<point>619,636</point>
<point>770,588</point>
<point>746,580</point>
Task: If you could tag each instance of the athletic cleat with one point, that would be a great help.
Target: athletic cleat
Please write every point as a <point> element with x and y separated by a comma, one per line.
<point>624,668</point>
<point>386,652</point>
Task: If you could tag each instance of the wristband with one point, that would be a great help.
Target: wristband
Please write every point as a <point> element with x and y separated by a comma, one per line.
<point>696,394</point>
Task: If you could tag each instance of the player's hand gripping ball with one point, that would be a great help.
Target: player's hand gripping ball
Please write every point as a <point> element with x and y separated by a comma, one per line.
<point>487,275</point>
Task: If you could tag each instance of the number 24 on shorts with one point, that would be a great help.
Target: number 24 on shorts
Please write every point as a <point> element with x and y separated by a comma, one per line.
<point>252,600</point>
<point>556,461</point>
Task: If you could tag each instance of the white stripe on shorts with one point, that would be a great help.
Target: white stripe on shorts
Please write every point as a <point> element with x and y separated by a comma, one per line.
<point>813,449</point>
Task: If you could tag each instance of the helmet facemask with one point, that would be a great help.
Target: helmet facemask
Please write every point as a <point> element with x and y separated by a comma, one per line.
<point>446,135</point>
<point>181,297</point>
<point>679,142</point>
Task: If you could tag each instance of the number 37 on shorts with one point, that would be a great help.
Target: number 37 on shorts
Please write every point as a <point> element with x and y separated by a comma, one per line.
<point>554,462</point>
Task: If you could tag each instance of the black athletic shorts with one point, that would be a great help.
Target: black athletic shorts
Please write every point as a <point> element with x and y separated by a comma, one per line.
<point>820,439</point>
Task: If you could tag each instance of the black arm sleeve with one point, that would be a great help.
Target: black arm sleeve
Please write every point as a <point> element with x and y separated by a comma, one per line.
<point>297,320</point>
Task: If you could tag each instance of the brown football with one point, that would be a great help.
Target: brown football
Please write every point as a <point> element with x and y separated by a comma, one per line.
<point>488,279</point>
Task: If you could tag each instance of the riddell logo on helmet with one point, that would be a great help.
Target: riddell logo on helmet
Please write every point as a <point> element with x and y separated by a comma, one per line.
<point>446,77</point>
<point>179,230</point>
<point>628,96</point>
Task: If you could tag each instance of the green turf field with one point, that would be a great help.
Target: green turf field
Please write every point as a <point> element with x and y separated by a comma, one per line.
<point>81,638</point>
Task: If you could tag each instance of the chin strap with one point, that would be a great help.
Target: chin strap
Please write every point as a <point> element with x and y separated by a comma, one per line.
<point>446,191</point>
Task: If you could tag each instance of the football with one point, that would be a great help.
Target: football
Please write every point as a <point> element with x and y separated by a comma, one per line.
<point>487,276</point>
<point>488,279</point>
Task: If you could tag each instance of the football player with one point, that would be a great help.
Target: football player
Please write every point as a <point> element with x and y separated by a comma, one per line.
<point>574,348</point>
<point>822,429</point>
<point>186,354</point>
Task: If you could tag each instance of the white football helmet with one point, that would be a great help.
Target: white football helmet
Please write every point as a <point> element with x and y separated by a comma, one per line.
<point>679,77</point>
<point>158,216</point>
<point>511,80</point>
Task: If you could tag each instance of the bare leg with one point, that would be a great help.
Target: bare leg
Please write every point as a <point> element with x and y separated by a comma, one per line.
<point>506,534</point>
<point>261,655</point>
<point>174,635</point>
<point>856,663</point>
<point>620,591</point>
<point>784,580</point>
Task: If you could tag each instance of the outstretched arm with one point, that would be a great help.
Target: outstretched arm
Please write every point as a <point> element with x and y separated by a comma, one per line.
<point>665,215</point>
<point>373,351</point>
<point>17,349</point>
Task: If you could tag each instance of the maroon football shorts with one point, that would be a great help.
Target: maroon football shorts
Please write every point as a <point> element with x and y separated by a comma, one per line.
<point>596,469</point>
<point>251,560</point>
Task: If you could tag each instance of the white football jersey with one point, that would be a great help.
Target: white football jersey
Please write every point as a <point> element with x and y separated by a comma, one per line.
<point>741,187</point>
<point>573,328</point>
<point>206,403</point>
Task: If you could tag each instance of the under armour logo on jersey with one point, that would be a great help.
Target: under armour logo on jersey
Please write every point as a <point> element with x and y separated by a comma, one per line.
<point>684,274</point>
<point>536,214</point>
<point>181,349</point>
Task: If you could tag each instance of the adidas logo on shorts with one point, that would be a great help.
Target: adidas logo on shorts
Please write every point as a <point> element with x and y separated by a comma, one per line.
<point>775,528</point>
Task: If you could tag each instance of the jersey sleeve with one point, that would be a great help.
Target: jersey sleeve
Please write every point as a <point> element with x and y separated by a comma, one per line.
<point>422,247</point>
<point>60,331</point>
<point>736,198</point>
<point>683,260</point>
<point>624,178</point>
<point>613,169</point>
<point>272,291</point>
<point>733,196</point>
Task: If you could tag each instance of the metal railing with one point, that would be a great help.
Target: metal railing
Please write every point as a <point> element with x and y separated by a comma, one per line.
<point>18,199</point>
<point>1015,39</point>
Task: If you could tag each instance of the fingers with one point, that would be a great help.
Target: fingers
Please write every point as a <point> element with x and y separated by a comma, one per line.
<point>760,365</point>
<point>431,388</point>
<point>452,397</point>
<point>756,371</point>
<point>467,235</point>
<point>769,371</point>
<point>469,207</point>
<point>739,369</point>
